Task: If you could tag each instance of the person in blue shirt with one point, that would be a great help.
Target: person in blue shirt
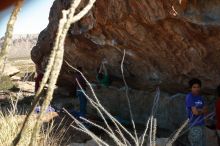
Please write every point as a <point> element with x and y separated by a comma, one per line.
<point>196,110</point>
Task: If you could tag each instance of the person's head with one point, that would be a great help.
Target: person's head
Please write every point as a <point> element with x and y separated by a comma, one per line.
<point>195,86</point>
<point>218,90</point>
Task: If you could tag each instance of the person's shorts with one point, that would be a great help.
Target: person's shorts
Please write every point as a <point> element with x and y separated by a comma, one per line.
<point>197,136</point>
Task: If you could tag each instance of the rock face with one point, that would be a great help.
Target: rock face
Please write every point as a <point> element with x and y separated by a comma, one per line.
<point>166,42</point>
<point>170,113</point>
<point>21,45</point>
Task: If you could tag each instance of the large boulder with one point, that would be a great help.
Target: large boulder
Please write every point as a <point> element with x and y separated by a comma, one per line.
<point>167,42</point>
<point>170,113</point>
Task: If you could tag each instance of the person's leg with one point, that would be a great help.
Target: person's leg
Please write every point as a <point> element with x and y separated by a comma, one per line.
<point>83,103</point>
<point>195,136</point>
<point>203,141</point>
<point>190,137</point>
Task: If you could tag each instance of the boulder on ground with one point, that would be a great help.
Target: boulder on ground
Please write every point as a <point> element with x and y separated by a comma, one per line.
<point>26,86</point>
<point>10,70</point>
<point>211,137</point>
<point>15,78</point>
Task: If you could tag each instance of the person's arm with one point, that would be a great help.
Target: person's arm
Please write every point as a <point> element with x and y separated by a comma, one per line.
<point>197,112</point>
<point>100,68</point>
<point>105,70</point>
<point>205,110</point>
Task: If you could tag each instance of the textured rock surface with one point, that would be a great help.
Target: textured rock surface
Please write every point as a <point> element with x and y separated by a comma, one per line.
<point>167,42</point>
<point>170,114</point>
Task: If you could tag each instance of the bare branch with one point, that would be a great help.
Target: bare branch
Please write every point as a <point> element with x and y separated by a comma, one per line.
<point>8,34</point>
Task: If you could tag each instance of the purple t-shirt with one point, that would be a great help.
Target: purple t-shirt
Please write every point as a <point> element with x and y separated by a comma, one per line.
<point>198,102</point>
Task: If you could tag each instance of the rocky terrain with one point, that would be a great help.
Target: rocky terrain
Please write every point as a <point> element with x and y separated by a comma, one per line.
<point>21,45</point>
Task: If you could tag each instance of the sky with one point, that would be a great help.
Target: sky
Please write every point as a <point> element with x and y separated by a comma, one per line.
<point>32,19</point>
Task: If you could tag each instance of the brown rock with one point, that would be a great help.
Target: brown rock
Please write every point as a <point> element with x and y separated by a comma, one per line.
<point>15,78</point>
<point>26,86</point>
<point>166,42</point>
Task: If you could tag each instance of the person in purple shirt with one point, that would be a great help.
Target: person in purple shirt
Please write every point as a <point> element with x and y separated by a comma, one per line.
<point>196,110</point>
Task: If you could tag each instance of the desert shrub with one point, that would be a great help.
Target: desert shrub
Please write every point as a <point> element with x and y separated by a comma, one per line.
<point>6,83</point>
<point>10,126</point>
<point>11,123</point>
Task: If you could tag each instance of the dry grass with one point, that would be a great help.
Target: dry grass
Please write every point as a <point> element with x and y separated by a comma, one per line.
<point>10,126</point>
<point>11,123</point>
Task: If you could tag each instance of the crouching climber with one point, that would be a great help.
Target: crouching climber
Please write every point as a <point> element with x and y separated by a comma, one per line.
<point>196,111</point>
<point>103,76</point>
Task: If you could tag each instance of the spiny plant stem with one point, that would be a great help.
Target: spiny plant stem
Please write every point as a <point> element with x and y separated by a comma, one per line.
<point>128,99</point>
<point>8,35</point>
<point>54,65</point>
<point>176,135</point>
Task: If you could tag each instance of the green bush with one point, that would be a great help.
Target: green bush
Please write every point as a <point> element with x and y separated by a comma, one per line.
<point>6,83</point>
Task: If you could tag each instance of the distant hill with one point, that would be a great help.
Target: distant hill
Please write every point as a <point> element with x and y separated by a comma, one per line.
<point>21,45</point>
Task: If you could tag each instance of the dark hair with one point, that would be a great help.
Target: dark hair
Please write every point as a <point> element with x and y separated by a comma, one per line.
<point>195,81</point>
<point>218,90</point>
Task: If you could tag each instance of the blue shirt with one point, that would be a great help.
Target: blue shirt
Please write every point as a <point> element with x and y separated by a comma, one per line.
<point>198,102</point>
